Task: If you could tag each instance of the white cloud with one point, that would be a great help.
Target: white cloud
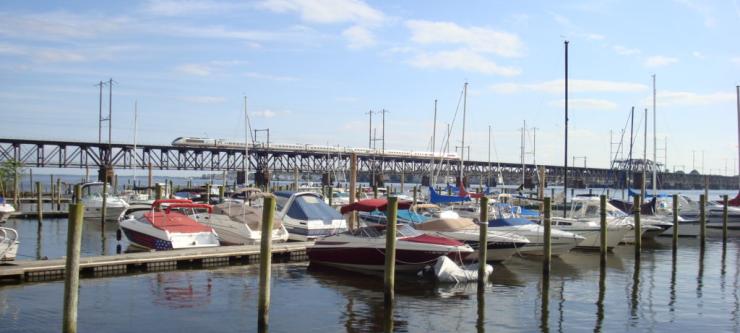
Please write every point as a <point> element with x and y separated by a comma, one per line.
<point>194,69</point>
<point>698,55</point>
<point>203,99</point>
<point>463,59</point>
<point>626,51</point>
<point>359,37</point>
<point>735,60</point>
<point>593,36</point>
<point>659,61</point>
<point>574,85</point>
<point>267,113</point>
<point>685,98</point>
<point>478,39</point>
<point>187,7</point>
<point>703,9</point>
<point>585,104</point>
<point>327,11</point>
<point>58,25</point>
<point>51,55</point>
<point>11,49</point>
<point>270,77</point>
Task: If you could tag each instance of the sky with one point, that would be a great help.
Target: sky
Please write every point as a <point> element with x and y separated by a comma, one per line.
<point>311,71</point>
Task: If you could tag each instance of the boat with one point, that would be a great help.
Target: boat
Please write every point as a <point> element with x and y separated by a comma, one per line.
<point>501,245</point>
<point>92,198</point>
<point>507,219</point>
<point>8,244</point>
<point>713,212</point>
<point>306,216</point>
<point>238,223</point>
<point>164,228</point>
<point>591,231</point>
<point>6,210</point>
<point>588,208</point>
<point>363,248</point>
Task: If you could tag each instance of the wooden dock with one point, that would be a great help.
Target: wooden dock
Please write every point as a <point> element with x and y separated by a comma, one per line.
<point>47,270</point>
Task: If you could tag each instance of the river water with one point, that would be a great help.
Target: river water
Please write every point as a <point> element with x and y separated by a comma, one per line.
<point>696,290</point>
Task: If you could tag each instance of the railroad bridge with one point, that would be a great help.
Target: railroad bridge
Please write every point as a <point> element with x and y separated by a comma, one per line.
<point>108,157</point>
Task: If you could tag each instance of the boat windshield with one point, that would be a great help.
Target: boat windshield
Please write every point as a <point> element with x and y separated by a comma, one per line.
<point>402,230</point>
<point>509,222</point>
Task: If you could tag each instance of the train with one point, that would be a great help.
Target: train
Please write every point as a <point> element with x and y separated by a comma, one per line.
<point>222,143</point>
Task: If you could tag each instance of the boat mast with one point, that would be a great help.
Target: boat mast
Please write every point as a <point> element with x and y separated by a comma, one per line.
<point>462,150</point>
<point>488,178</point>
<point>643,190</point>
<point>246,144</point>
<point>136,118</point>
<point>524,130</point>
<point>565,171</point>
<point>655,146</point>
<point>434,141</point>
<point>632,141</point>
<point>737,91</point>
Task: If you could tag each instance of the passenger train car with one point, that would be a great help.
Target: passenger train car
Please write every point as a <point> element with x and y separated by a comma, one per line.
<point>221,143</point>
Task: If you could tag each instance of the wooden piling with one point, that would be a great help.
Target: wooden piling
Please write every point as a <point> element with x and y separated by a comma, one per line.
<point>149,180</point>
<point>30,180</point>
<point>158,191</point>
<point>263,308</point>
<point>77,194</point>
<point>547,249</point>
<point>72,268</point>
<point>115,184</point>
<point>59,194</point>
<point>208,193</point>
<point>638,225</point>
<point>330,194</point>
<point>105,197</point>
<point>375,191</point>
<point>602,235</point>
<point>675,223</point>
<point>390,250</point>
<point>702,219</point>
<point>221,193</point>
<point>16,181</point>
<point>724,219</point>
<point>414,202</point>
<point>483,242</point>
<point>352,187</point>
<point>39,202</point>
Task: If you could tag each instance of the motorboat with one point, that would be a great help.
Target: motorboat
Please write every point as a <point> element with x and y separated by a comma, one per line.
<point>238,223</point>
<point>92,199</point>
<point>165,227</point>
<point>306,216</point>
<point>588,208</point>
<point>363,248</point>
<point>507,218</point>
<point>501,245</point>
<point>591,231</point>
<point>689,209</point>
<point>8,244</point>
<point>6,210</point>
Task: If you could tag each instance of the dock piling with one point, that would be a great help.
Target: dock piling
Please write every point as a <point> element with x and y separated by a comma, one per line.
<point>208,193</point>
<point>638,226</point>
<point>39,202</point>
<point>547,250</point>
<point>483,243</point>
<point>221,193</point>
<point>724,219</point>
<point>268,213</point>
<point>702,219</point>
<point>602,234</point>
<point>158,191</point>
<point>675,223</point>
<point>59,194</point>
<point>105,199</point>
<point>330,193</point>
<point>414,202</point>
<point>390,251</point>
<point>72,268</point>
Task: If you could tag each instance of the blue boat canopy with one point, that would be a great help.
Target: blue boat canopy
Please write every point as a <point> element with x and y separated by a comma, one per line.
<point>508,222</point>
<point>312,207</point>
<point>437,198</point>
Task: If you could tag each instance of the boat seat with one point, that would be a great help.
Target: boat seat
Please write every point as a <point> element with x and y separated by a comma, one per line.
<point>175,222</point>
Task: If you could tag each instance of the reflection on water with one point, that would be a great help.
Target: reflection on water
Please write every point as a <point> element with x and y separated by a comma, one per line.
<point>660,293</point>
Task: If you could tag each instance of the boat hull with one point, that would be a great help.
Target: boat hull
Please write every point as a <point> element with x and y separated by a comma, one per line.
<point>143,235</point>
<point>111,213</point>
<point>372,259</point>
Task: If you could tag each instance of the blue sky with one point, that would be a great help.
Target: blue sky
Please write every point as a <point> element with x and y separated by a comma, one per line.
<point>312,69</point>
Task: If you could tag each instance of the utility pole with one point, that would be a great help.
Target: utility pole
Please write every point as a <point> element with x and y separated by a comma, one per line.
<point>565,174</point>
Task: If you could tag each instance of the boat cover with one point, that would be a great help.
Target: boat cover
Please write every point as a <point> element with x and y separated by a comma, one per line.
<point>446,224</point>
<point>435,197</point>
<point>369,205</point>
<point>252,216</point>
<point>312,207</point>
<point>175,222</point>
<point>507,222</point>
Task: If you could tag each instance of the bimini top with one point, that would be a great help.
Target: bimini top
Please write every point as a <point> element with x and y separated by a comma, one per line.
<point>509,222</point>
<point>447,224</point>
<point>369,205</point>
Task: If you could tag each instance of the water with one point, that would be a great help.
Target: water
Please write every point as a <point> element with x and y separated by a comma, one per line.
<point>697,291</point>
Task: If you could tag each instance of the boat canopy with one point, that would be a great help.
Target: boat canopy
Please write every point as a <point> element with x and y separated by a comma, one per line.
<point>369,205</point>
<point>509,222</point>
<point>446,224</point>
<point>252,216</point>
<point>435,197</point>
<point>309,206</point>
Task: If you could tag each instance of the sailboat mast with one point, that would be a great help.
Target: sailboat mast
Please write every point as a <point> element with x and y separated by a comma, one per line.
<point>246,143</point>
<point>136,120</point>
<point>565,172</point>
<point>462,150</point>
<point>434,142</point>
<point>524,130</point>
<point>655,146</point>
<point>644,157</point>
<point>737,92</point>
<point>488,178</point>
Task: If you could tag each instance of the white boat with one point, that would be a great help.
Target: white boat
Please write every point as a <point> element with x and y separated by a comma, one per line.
<point>8,244</point>
<point>364,249</point>
<point>501,245</point>
<point>92,198</point>
<point>236,222</point>
<point>588,208</point>
<point>591,231</point>
<point>306,216</point>
<point>160,228</point>
<point>6,210</point>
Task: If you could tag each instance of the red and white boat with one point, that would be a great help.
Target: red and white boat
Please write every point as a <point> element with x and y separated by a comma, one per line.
<point>165,228</point>
<point>364,248</point>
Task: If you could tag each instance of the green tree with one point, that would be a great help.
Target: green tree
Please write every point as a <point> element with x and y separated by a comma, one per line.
<point>9,170</point>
